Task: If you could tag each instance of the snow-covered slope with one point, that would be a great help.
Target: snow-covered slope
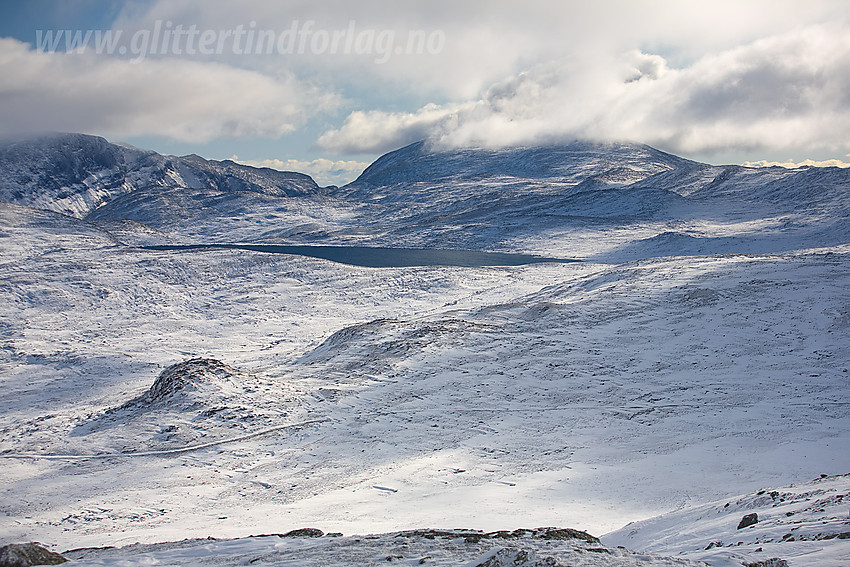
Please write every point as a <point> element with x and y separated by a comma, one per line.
<point>699,352</point>
<point>561,394</point>
<point>75,173</point>
<point>606,163</point>
<point>577,197</point>
<point>803,524</point>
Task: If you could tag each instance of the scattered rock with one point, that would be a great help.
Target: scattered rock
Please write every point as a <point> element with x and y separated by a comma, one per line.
<point>27,554</point>
<point>773,562</point>
<point>474,536</point>
<point>451,534</point>
<point>513,557</point>
<point>748,520</point>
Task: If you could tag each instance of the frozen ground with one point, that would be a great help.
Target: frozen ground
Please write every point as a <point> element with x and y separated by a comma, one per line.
<point>690,359</point>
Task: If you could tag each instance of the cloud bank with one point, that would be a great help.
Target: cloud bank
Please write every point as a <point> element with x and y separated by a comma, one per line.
<point>323,171</point>
<point>746,80</point>
<point>791,90</point>
<point>184,100</point>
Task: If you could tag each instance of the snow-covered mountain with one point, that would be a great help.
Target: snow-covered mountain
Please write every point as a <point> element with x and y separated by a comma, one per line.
<point>582,193</point>
<point>575,200</point>
<point>700,351</point>
<point>76,174</point>
<point>579,161</point>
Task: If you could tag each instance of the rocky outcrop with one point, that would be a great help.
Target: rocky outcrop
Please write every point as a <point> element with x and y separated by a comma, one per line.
<point>27,554</point>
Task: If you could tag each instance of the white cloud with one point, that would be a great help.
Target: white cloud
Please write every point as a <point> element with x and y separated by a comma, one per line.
<point>487,40</point>
<point>377,132</point>
<point>780,92</point>
<point>646,66</point>
<point>323,171</point>
<point>706,77</point>
<point>183,100</point>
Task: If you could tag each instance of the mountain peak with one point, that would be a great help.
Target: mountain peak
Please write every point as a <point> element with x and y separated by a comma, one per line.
<point>75,174</point>
<point>572,161</point>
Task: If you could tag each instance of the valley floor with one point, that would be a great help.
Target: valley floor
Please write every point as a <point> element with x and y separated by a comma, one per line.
<point>364,400</point>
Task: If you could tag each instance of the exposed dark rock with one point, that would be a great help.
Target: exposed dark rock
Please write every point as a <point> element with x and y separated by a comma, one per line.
<point>513,557</point>
<point>474,536</point>
<point>545,533</point>
<point>773,562</point>
<point>452,534</point>
<point>748,520</point>
<point>304,532</point>
<point>78,174</point>
<point>564,534</point>
<point>26,554</point>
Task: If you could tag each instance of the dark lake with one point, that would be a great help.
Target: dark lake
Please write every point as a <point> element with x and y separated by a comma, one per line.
<point>375,257</point>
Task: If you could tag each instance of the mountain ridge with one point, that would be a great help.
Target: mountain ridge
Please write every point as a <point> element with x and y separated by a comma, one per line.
<point>424,197</point>
<point>421,162</point>
<point>75,174</point>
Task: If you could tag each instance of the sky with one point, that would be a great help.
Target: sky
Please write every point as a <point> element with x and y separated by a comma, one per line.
<point>325,87</point>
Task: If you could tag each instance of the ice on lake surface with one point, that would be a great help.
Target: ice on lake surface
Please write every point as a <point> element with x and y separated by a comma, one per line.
<point>382,257</point>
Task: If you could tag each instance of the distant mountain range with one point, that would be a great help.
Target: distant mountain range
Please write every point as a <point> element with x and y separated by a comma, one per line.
<point>421,196</point>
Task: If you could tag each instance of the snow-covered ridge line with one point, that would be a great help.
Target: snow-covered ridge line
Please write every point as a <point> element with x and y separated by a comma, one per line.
<point>76,174</point>
<point>619,162</point>
<point>584,200</point>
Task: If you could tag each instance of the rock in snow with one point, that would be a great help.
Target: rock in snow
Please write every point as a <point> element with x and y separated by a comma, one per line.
<point>748,520</point>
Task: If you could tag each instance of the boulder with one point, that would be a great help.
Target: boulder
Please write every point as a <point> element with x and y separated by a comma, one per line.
<point>748,520</point>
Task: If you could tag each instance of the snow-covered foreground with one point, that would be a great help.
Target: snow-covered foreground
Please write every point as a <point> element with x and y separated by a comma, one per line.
<point>152,396</point>
<point>802,524</point>
<point>805,524</point>
<point>580,395</point>
<point>547,547</point>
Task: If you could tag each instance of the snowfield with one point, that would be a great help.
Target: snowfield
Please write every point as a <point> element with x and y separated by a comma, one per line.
<point>699,352</point>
